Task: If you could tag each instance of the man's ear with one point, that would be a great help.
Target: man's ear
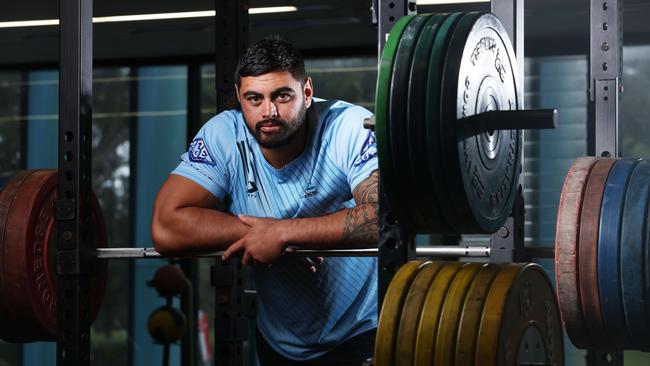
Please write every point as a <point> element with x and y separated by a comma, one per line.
<point>308,91</point>
<point>237,93</point>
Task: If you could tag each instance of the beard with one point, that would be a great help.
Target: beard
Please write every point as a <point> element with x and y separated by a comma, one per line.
<point>287,130</point>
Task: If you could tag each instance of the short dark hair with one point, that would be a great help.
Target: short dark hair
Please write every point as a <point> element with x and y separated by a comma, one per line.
<point>271,54</point>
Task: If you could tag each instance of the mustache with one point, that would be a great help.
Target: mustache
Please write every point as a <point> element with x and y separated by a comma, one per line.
<point>271,122</point>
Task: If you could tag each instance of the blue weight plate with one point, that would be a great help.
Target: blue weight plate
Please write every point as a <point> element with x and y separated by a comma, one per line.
<point>609,233</point>
<point>633,242</point>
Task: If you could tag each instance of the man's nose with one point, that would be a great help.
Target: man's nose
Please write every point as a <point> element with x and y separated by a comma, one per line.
<point>270,110</point>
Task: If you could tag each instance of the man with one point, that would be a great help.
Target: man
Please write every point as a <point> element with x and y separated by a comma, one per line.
<point>294,172</point>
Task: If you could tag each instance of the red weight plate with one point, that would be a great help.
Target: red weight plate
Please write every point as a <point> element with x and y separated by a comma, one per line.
<point>28,257</point>
<point>588,250</point>
<point>566,250</point>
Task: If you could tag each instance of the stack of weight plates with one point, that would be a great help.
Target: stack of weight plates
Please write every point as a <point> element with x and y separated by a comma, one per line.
<point>439,174</point>
<point>602,255</point>
<point>28,268</point>
<point>450,313</point>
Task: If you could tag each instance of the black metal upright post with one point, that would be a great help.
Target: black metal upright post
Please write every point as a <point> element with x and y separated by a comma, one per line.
<point>507,244</point>
<point>76,255</point>
<point>396,246</point>
<point>605,65</point>
<point>189,304</point>
<point>231,38</point>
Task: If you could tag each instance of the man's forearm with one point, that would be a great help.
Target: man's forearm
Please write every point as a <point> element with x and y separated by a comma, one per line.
<point>196,228</point>
<point>352,227</point>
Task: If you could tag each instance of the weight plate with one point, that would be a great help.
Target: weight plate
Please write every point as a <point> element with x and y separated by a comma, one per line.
<point>646,283</point>
<point>382,103</point>
<point>566,250</point>
<point>520,323</point>
<point>433,110</point>
<point>633,262</point>
<point>471,315</point>
<point>391,312</point>
<point>609,282</point>
<point>588,250</point>
<point>28,259</point>
<point>429,318</point>
<point>397,125</point>
<point>451,313</point>
<point>481,166</point>
<point>16,324</point>
<point>410,318</point>
<point>424,200</point>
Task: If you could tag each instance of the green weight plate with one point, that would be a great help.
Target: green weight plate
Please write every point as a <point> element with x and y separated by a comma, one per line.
<point>430,316</point>
<point>471,317</point>
<point>520,324</point>
<point>397,126</point>
<point>411,311</point>
<point>481,166</point>
<point>432,110</point>
<point>451,314</point>
<point>424,198</point>
<point>382,103</point>
<point>391,312</point>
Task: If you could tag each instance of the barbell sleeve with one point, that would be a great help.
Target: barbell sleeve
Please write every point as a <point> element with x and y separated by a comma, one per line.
<point>526,119</point>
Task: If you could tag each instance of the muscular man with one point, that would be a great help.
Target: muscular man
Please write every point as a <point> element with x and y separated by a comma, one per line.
<point>294,171</point>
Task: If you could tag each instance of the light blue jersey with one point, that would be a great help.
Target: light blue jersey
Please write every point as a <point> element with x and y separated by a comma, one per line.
<point>301,314</point>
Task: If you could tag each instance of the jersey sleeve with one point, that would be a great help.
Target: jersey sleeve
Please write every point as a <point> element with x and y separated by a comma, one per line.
<point>206,159</point>
<point>355,148</point>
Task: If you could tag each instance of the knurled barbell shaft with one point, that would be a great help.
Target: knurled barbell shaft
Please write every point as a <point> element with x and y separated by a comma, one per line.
<point>433,251</point>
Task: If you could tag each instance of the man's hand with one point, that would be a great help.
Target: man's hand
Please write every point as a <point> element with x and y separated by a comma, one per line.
<point>262,244</point>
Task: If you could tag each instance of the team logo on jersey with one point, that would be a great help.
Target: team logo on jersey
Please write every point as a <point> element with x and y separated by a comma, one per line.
<point>368,150</point>
<point>310,191</point>
<point>199,153</point>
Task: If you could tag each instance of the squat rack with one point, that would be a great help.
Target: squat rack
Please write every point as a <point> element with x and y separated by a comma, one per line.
<point>77,257</point>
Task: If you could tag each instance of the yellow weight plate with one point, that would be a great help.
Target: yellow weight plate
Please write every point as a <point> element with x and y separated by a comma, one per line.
<point>428,327</point>
<point>471,315</point>
<point>488,333</point>
<point>391,311</point>
<point>451,312</point>
<point>410,318</point>
<point>521,320</point>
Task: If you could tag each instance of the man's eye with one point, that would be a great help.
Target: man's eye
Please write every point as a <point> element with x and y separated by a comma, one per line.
<point>284,97</point>
<point>254,99</point>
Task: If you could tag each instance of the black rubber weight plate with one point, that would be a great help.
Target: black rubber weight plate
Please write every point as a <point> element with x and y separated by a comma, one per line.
<point>382,102</point>
<point>424,200</point>
<point>432,112</point>
<point>397,123</point>
<point>481,166</point>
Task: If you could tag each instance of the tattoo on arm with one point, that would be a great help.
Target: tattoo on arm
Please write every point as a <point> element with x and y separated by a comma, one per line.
<point>361,221</point>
